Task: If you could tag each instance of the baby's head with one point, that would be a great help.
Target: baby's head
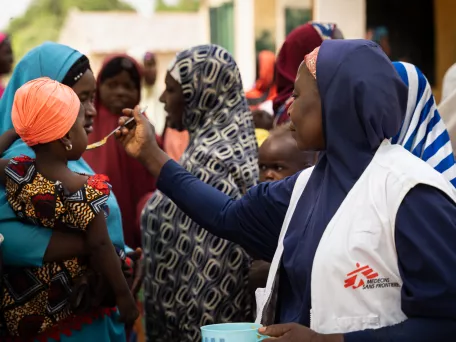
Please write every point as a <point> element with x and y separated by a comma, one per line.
<point>49,117</point>
<point>262,119</point>
<point>279,156</point>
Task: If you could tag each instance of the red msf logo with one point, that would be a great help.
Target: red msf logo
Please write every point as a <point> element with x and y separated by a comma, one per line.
<point>357,278</point>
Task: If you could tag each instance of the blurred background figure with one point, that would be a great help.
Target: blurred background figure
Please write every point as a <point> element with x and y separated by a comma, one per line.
<point>6,58</point>
<point>262,119</point>
<point>449,82</point>
<point>263,122</point>
<point>150,93</point>
<point>264,90</point>
<point>300,42</point>
<point>119,87</point>
<point>447,106</point>
<point>380,35</point>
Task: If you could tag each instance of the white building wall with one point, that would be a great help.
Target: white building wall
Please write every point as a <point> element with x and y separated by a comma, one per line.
<point>244,40</point>
<point>349,15</point>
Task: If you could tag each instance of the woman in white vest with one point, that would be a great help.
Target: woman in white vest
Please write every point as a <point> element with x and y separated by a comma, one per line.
<point>365,244</point>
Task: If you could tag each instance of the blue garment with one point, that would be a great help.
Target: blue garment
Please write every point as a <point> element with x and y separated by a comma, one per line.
<point>25,245</point>
<point>423,131</point>
<point>362,99</point>
<point>426,260</point>
<point>363,103</point>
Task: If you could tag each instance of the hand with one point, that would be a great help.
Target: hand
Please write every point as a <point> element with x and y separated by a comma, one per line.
<point>140,141</point>
<point>138,270</point>
<point>293,332</point>
<point>128,310</point>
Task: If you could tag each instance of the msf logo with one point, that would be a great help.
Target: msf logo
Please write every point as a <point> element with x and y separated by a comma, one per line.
<point>360,276</point>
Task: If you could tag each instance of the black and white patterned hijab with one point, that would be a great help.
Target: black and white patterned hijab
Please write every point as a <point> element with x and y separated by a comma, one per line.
<point>222,134</point>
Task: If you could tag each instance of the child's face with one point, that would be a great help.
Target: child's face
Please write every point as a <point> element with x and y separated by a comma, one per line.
<point>78,136</point>
<point>279,157</point>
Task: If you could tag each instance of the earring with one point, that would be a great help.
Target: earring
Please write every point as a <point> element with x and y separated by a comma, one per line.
<point>69,147</point>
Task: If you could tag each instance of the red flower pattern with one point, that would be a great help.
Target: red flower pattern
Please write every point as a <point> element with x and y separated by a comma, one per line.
<point>23,159</point>
<point>22,165</point>
<point>44,205</point>
<point>99,182</point>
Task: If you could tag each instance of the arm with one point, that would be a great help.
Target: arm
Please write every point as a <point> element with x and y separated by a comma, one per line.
<point>6,140</point>
<point>105,260</point>
<point>253,222</point>
<point>426,248</point>
<point>104,255</point>
<point>64,246</point>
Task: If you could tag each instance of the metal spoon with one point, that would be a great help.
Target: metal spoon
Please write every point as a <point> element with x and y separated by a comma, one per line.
<point>105,139</point>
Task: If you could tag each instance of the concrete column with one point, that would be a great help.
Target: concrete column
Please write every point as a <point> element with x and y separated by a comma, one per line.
<point>204,13</point>
<point>349,15</point>
<point>280,23</point>
<point>244,40</point>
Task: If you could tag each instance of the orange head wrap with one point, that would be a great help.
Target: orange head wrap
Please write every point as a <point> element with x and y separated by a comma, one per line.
<point>44,110</point>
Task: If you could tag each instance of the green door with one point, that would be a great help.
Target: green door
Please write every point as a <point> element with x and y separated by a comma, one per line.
<point>222,26</point>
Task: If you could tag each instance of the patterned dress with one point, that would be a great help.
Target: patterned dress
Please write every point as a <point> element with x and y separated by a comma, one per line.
<point>194,278</point>
<point>35,299</point>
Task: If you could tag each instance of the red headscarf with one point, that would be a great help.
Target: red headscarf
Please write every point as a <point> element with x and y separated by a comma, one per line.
<point>129,179</point>
<point>300,42</point>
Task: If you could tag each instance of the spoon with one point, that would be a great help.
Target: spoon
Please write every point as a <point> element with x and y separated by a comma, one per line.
<point>105,139</point>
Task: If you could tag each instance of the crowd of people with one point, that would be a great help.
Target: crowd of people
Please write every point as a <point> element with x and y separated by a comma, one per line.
<point>320,203</point>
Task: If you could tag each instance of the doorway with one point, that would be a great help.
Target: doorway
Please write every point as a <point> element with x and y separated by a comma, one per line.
<point>410,25</point>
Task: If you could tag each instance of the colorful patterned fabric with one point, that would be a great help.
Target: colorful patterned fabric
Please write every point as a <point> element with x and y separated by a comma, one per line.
<point>36,299</point>
<point>326,31</point>
<point>25,245</point>
<point>194,278</point>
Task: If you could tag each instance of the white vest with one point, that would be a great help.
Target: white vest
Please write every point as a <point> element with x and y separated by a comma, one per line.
<point>355,282</point>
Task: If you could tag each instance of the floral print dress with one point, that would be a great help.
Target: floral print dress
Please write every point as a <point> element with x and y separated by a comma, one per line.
<point>35,299</point>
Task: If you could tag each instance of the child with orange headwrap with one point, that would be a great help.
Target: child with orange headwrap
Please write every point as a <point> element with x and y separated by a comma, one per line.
<point>49,117</point>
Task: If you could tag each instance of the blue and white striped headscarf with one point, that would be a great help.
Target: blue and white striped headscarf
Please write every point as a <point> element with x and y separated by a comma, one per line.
<point>423,131</point>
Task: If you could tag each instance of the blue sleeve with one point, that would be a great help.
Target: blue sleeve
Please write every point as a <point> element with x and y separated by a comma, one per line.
<point>254,222</point>
<point>426,248</point>
<point>30,240</point>
<point>24,245</point>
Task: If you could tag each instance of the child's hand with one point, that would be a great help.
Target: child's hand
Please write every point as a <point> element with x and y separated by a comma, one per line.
<point>128,309</point>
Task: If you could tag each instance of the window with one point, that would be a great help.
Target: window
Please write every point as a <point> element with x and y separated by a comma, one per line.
<point>295,17</point>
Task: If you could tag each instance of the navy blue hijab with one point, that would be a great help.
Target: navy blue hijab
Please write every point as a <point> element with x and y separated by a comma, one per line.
<point>363,102</point>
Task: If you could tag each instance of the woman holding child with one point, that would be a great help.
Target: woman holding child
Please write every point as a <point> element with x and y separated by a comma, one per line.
<point>30,246</point>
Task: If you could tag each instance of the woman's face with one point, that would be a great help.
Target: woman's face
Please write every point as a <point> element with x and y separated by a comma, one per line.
<point>174,101</point>
<point>6,57</point>
<point>77,136</point>
<point>85,88</point>
<point>305,112</point>
<point>119,92</point>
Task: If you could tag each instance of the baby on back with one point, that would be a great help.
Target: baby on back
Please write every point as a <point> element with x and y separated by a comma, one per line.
<point>49,118</point>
